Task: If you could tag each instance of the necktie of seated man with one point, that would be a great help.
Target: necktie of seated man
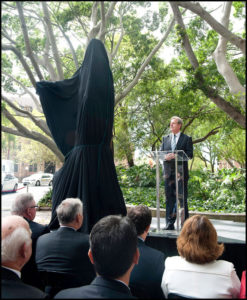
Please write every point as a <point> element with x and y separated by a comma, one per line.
<point>174,143</point>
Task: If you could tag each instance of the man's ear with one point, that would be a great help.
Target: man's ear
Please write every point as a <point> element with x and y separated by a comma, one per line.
<point>147,228</point>
<point>90,255</point>
<point>28,211</point>
<point>24,250</point>
<point>136,256</point>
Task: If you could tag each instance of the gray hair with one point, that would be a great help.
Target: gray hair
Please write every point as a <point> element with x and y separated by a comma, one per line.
<point>11,245</point>
<point>20,203</point>
<point>68,210</point>
<point>179,120</point>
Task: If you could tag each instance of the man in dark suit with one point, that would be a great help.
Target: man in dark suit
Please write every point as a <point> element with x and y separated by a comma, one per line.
<point>113,252</point>
<point>66,249</point>
<point>16,251</point>
<point>176,141</point>
<point>24,205</point>
<point>146,277</point>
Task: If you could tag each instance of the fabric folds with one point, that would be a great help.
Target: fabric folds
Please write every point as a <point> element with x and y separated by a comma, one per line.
<point>79,113</point>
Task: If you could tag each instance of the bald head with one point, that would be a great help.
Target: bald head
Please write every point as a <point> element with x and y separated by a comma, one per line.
<point>16,243</point>
<point>10,223</point>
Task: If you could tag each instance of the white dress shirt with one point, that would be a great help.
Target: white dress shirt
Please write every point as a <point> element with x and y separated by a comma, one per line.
<point>215,280</point>
<point>177,136</point>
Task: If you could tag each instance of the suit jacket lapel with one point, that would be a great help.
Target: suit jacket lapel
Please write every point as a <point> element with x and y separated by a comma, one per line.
<point>180,140</point>
<point>170,141</point>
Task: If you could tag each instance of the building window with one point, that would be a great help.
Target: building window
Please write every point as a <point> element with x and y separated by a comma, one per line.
<point>35,168</point>
<point>30,168</point>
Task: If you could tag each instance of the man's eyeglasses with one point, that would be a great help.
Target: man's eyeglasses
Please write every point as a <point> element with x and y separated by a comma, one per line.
<point>35,206</point>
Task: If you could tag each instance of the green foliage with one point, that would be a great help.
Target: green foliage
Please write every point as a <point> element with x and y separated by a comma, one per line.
<point>220,192</point>
<point>137,176</point>
<point>142,117</point>
<point>217,192</point>
<point>45,201</point>
<point>239,10</point>
<point>142,195</point>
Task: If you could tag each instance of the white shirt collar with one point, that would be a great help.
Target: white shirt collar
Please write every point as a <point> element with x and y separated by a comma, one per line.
<point>139,237</point>
<point>18,273</point>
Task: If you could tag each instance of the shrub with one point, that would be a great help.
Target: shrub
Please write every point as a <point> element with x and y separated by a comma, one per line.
<point>45,201</point>
<point>216,192</point>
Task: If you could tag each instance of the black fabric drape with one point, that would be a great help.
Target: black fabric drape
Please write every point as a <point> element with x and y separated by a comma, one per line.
<point>79,113</point>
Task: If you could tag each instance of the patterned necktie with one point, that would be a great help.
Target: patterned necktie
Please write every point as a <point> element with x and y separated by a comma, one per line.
<point>174,143</point>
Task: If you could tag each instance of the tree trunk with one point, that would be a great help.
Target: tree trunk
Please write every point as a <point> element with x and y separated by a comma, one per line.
<point>130,161</point>
<point>209,92</point>
<point>52,40</point>
<point>197,9</point>
<point>223,66</point>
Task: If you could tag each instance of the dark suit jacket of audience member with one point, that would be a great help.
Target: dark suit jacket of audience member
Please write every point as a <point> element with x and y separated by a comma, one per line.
<point>146,277</point>
<point>13,287</point>
<point>29,273</point>
<point>99,288</point>
<point>65,250</point>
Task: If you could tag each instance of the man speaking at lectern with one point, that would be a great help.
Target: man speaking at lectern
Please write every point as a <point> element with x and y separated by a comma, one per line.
<point>176,140</point>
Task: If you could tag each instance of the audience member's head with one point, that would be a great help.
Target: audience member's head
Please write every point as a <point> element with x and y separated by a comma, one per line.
<point>113,246</point>
<point>69,213</point>
<point>16,245</point>
<point>197,241</point>
<point>24,205</point>
<point>141,216</point>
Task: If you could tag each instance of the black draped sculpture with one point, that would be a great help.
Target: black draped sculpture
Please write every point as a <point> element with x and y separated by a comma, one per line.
<point>79,113</point>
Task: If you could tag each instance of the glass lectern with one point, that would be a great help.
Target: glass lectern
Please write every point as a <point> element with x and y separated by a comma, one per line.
<point>173,174</point>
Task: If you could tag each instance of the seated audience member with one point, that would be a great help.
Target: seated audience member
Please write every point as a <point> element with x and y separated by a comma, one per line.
<point>145,279</point>
<point>25,206</point>
<point>66,249</point>
<point>16,250</point>
<point>196,273</point>
<point>113,252</point>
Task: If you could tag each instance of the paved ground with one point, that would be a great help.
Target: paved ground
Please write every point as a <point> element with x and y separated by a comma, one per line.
<point>226,229</point>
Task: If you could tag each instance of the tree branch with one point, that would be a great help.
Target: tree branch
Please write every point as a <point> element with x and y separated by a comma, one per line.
<point>29,51</point>
<point>186,43</point>
<point>35,100</point>
<point>197,9</point>
<point>143,66</point>
<point>8,37</point>
<point>52,40</point>
<point>94,31</point>
<point>223,66</point>
<point>103,22</point>
<point>38,122</point>
<point>23,62</point>
<point>79,20</point>
<point>209,92</point>
<point>22,131</point>
<point>212,132</point>
<point>68,41</point>
<point>119,40</point>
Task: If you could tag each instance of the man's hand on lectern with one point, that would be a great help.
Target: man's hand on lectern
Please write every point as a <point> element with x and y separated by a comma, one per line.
<point>169,156</point>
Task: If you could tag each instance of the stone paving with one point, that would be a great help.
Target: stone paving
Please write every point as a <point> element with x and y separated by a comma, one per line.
<point>225,228</point>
